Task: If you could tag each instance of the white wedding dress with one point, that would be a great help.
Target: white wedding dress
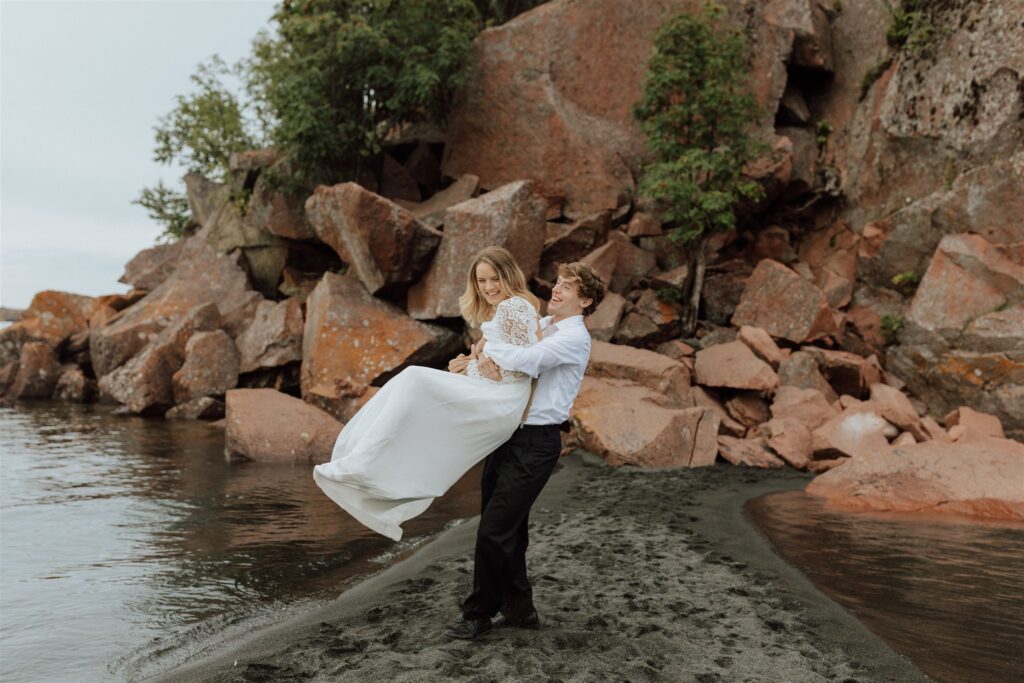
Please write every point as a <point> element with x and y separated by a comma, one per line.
<point>424,429</point>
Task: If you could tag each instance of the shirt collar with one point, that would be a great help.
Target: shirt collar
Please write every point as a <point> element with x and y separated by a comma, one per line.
<point>549,320</point>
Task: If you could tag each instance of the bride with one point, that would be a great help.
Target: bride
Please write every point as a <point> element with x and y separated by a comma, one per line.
<point>425,428</point>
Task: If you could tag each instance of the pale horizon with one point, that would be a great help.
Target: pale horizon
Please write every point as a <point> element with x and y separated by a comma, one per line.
<point>82,85</point>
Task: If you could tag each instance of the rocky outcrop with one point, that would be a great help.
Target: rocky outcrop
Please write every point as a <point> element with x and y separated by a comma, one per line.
<point>785,305</point>
<point>432,211</point>
<point>36,372</point>
<point>626,423</point>
<point>202,276</point>
<point>51,318</point>
<point>667,377</point>
<point>978,479</point>
<point>511,216</point>
<point>735,366</point>
<point>386,247</point>
<point>352,339</point>
<point>264,425</point>
<point>574,76</point>
<point>210,367</point>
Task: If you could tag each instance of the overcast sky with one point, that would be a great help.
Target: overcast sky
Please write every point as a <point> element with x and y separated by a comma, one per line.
<point>81,86</point>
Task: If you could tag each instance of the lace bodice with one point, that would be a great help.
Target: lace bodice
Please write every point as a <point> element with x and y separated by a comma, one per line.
<point>514,322</point>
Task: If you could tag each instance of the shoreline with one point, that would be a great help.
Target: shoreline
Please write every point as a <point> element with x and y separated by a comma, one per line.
<point>638,573</point>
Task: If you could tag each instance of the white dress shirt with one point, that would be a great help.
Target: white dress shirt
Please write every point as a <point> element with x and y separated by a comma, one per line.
<point>558,360</point>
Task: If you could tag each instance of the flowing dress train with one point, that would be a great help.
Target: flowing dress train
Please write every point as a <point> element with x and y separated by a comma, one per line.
<point>424,429</point>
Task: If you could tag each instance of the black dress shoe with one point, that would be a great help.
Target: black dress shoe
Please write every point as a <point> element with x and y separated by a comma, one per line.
<point>469,630</point>
<point>531,620</point>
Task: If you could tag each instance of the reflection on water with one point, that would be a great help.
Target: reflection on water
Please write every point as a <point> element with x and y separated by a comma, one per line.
<point>115,531</point>
<point>947,594</point>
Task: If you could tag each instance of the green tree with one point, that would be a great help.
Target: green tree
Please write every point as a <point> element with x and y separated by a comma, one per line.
<point>200,133</point>
<point>696,111</point>
<point>339,75</point>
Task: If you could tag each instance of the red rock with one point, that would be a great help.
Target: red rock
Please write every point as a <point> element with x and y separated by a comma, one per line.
<point>978,479</point>
<point>855,432</point>
<point>571,242</point>
<point>895,407</point>
<point>511,216</point>
<point>643,225</point>
<point>847,372</point>
<point>748,409</point>
<point>675,278</point>
<point>749,452</point>
<point>51,318</point>
<point>784,304</point>
<point>396,181</point>
<point>832,257</point>
<point>801,370</point>
<point>431,212</point>
<point>604,321</point>
<point>150,267</point>
<point>735,366</point>
<point>36,373</point>
<point>202,276</point>
<point>202,408</point>
<point>868,324</point>
<point>806,405</point>
<point>762,344</point>
<point>144,384</point>
<point>676,350</point>
<point>652,320</point>
<point>624,424</point>
<point>820,466</point>
<point>264,425</point>
<point>351,337</point>
<point>933,430</point>
<point>812,32</point>
<point>791,439</point>
<point>967,278</point>
<point>619,263</point>
<point>273,338</point>
<point>772,243</point>
<point>385,246</point>
<point>277,212</point>
<point>973,424</point>
<point>73,386</point>
<point>667,377</point>
<point>210,367</point>
<point>728,425</point>
<point>904,439</point>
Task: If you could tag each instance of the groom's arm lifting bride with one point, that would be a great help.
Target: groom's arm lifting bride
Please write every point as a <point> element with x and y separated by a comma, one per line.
<point>516,472</point>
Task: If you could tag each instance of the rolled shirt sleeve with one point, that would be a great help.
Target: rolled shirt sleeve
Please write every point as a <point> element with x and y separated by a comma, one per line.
<point>547,353</point>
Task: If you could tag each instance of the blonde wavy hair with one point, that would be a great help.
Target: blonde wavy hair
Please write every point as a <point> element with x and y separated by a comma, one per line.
<point>473,305</point>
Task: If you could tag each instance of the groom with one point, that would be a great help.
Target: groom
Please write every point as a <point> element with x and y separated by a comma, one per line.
<point>515,473</point>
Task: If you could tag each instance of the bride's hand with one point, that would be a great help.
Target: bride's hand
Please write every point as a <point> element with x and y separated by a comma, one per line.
<point>459,363</point>
<point>488,369</point>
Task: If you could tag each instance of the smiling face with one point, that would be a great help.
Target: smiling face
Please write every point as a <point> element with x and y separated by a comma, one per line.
<point>565,299</point>
<point>489,284</point>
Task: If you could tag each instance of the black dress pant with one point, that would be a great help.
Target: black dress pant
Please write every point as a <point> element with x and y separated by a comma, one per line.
<point>513,477</point>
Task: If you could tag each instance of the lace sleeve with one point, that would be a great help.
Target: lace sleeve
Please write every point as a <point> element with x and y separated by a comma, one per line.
<point>516,323</point>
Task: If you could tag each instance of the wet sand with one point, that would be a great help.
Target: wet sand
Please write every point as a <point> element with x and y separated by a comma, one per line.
<point>638,575</point>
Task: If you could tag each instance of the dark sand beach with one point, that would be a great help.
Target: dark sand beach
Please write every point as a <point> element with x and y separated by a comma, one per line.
<point>638,575</point>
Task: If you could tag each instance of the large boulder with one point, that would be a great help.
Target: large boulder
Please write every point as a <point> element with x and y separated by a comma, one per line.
<point>652,320</point>
<point>647,368</point>
<point>386,247</point>
<point>550,94</point>
<point>565,243</point>
<point>604,321</point>
<point>511,216</point>
<point>352,340</point>
<point>980,479</point>
<point>74,386</point>
<point>144,384</point>
<point>735,366</point>
<point>831,255</point>
<point>431,212</point>
<point>626,423</point>
<point>202,276</point>
<point>264,425</point>
<point>619,263</point>
<point>274,337</point>
<point>857,431</point>
<point>750,452</point>
<point>785,305</point>
<point>809,406</point>
<point>150,267</point>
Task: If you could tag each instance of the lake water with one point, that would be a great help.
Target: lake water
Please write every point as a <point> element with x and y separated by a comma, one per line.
<point>949,595</point>
<point>123,539</point>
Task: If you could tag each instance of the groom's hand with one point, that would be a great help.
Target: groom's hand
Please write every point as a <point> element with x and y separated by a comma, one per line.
<point>488,369</point>
<point>459,363</point>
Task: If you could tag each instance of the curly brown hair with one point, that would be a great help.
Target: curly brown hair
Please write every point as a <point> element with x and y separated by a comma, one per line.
<point>587,283</point>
